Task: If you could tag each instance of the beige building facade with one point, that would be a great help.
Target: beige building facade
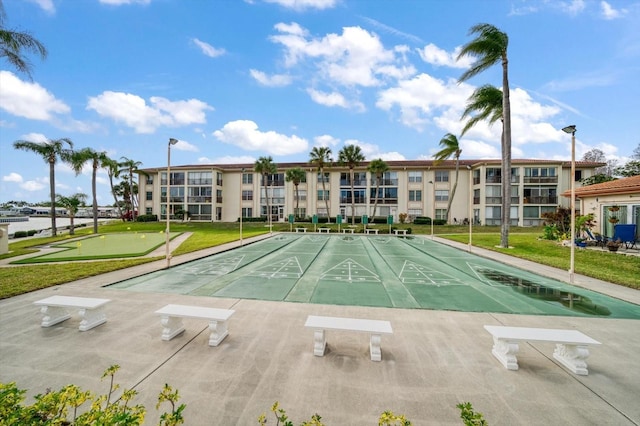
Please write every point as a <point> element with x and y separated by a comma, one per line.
<point>220,193</point>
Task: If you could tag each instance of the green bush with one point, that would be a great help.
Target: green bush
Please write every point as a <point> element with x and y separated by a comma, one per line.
<point>31,232</point>
<point>20,234</point>
<point>422,220</point>
<point>147,218</point>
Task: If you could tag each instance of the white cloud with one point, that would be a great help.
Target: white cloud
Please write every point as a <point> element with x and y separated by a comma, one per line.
<point>609,12</point>
<point>379,25</point>
<point>208,49</point>
<point>184,146</point>
<point>300,5</point>
<point>46,5</point>
<point>246,135</point>
<point>28,100</point>
<point>134,112</point>
<point>228,159</point>
<point>34,137</point>
<point>433,55</point>
<point>275,80</point>
<point>372,151</point>
<point>325,140</point>
<point>572,7</point>
<point>35,185</point>
<point>12,177</point>
<point>334,99</point>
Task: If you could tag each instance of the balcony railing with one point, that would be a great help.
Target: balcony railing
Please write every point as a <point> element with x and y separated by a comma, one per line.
<point>541,179</point>
<point>493,200</point>
<point>199,199</point>
<point>540,200</point>
<point>493,179</point>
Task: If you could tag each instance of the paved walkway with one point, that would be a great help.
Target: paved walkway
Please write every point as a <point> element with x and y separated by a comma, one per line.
<point>434,359</point>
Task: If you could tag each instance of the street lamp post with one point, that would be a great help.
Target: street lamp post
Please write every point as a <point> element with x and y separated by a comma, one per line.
<point>572,129</point>
<point>172,141</point>
<point>241,180</point>
<point>470,205</point>
<point>433,207</point>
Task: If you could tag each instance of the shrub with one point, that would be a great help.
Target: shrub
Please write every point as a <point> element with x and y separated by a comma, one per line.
<point>470,417</point>
<point>20,234</point>
<point>422,220</point>
<point>31,232</point>
<point>147,218</point>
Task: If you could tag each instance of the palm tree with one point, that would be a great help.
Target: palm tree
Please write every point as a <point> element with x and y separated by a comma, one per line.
<point>13,43</point>
<point>321,157</point>
<point>295,175</point>
<point>130,167</point>
<point>377,168</point>
<point>71,203</point>
<point>489,48</point>
<point>486,104</point>
<point>450,147</point>
<point>78,161</point>
<point>51,151</point>
<point>113,170</point>
<point>351,156</point>
<point>265,166</point>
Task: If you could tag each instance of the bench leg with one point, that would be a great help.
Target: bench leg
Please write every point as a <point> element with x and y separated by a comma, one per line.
<point>52,315</point>
<point>171,327</point>
<point>374,347</point>
<point>319,342</point>
<point>505,351</point>
<point>92,318</point>
<point>573,357</point>
<point>218,332</point>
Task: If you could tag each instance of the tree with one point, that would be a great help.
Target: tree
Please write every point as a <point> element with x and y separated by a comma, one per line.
<point>377,168</point>
<point>450,148</point>
<point>265,166</point>
<point>78,160</point>
<point>71,203</point>
<point>321,157</point>
<point>51,151</point>
<point>113,171</point>
<point>636,153</point>
<point>130,167</point>
<point>485,103</point>
<point>14,43</point>
<point>632,168</point>
<point>598,156</point>
<point>599,178</point>
<point>489,48</point>
<point>351,156</point>
<point>295,175</point>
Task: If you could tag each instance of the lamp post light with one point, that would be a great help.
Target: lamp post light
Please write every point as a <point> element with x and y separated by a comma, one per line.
<point>470,205</point>
<point>433,207</point>
<point>172,141</point>
<point>572,129</point>
<point>241,181</point>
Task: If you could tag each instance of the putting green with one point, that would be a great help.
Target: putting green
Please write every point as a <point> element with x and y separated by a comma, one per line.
<point>386,271</point>
<point>106,246</point>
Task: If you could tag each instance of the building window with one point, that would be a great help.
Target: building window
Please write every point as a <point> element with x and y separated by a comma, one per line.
<point>300,212</point>
<point>442,195</point>
<point>247,178</point>
<point>323,195</point>
<point>413,213</point>
<point>415,177</point>
<point>149,180</point>
<point>301,194</point>
<point>415,195</point>
<point>218,196</point>
<point>493,175</point>
<point>247,195</point>
<point>578,176</point>
<point>199,178</point>
<point>218,213</point>
<point>326,178</point>
<point>441,214</point>
<point>442,176</point>
<point>149,210</point>
<point>247,212</point>
<point>149,195</point>
<point>218,178</point>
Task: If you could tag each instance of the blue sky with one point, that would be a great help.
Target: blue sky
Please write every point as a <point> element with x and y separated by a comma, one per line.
<point>234,80</point>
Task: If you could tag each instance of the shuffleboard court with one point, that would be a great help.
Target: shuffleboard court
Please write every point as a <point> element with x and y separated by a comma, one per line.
<point>383,271</point>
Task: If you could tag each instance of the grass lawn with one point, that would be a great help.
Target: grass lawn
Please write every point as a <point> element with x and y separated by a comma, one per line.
<point>526,244</point>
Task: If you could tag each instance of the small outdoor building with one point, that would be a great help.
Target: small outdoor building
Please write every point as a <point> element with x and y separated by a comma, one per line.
<point>616,201</point>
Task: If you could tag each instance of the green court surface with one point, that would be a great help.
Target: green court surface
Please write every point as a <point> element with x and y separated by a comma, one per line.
<point>128,244</point>
<point>381,271</point>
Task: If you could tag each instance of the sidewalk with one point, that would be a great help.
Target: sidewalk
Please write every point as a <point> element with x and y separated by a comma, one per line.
<point>433,361</point>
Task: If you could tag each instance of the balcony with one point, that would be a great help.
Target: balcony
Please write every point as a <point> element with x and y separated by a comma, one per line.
<point>493,200</point>
<point>541,179</point>
<point>540,200</point>
<point>493,179</point>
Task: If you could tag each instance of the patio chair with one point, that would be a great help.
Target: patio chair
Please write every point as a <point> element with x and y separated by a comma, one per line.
<point>626,233</point>
<point>599,239</point>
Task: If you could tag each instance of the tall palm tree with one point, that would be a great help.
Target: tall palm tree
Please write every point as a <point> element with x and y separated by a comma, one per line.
<point>113,171</point>
<point>51,151</point>
<point>78,161</point>
<point>265,166</point>
<point>71,203</point>
<point>351,156</point>
<point>14,43</point>
<point>320,156</point>
<point>450,148</point>
<point>130,167</point>
<point>295,175</point>
<point>377,168</point>
<point>489,48</point>
<point>485,103</point>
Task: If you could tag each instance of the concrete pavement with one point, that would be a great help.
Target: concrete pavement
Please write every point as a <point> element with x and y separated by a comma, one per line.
<point>433,361</point>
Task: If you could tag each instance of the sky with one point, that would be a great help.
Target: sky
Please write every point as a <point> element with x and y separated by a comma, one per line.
<point>234,80</point>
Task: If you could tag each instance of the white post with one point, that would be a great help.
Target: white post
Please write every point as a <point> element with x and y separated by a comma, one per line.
<point>241,180</point>
<point>168,230</point>
<point>572,129</point>
<point>470,205</point>
<point>433,205</point>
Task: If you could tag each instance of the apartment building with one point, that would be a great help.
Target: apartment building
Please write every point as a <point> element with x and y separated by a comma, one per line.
<point>221,192</point>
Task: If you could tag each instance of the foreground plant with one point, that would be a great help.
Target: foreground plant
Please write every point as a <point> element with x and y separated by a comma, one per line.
<point>60,407</point>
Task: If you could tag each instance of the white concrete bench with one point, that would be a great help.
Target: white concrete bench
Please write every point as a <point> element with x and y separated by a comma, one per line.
<point>301,229</point>
<point>371,231</point>
<point>171,320</point>
<point>54,310</point>
<point>400,232</point>
<point>571,345</point>
<point>348,231</point>
<point>321,230</point>
<point>375,327</point>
